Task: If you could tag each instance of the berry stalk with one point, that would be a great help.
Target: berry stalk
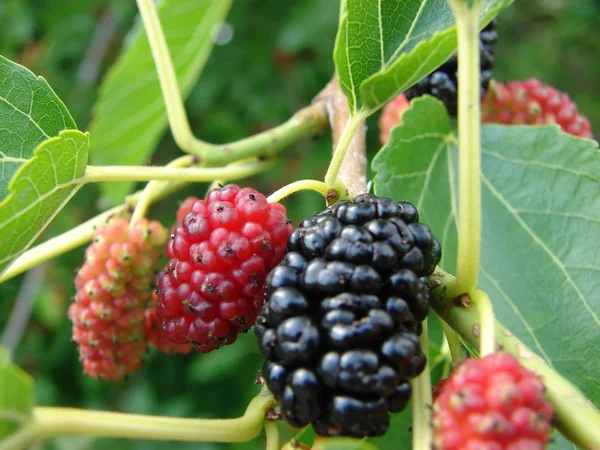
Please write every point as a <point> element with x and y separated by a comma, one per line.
<point>469,142</point>
<point>340,151</point>
<point>331,193</point>
<point>50,421</point>
<point>454,344</point>
<point>422,401</point>
<point>578,417</point>
<point>488,324</point>
<point>145,198</point>
<point>20,439</point>
<point>272,435</point>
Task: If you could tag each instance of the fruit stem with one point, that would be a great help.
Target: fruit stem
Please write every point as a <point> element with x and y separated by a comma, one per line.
<point>21,439</point>
<point>178,121</point>
<point>83,233</point>
<point>454,344</point>
<point>487,323</point>
<point>578,417</point>
<point>145,198</point>
<point>58,245</point>
<point>52,421</point>
<point>307,122</point>
<point>340,152</point>
<point>331,193</point>
<point>422,401</point>
<point>190,174</point>
<point>466,14</point>
<point>271,435</point>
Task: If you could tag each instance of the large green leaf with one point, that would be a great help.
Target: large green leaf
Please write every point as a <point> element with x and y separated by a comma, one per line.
<point>30,113</point>
<point>541,222</point>
<point>16,395</point>
<point>385,46</point>
<point>39,190</point>
<point>130,115</point>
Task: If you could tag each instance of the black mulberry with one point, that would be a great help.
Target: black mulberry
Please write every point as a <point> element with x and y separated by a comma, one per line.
<point>342,314</point>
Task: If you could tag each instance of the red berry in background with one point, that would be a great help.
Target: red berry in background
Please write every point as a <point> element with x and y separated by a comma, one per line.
<point>219,257</point>
<point>491,403</point>
<point>532,102</point>
<point>155,334</point>
<point>391,115</point>
<point>113,287</point>
<point>437,388</point>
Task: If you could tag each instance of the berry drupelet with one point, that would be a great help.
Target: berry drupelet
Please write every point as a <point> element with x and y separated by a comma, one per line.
<point>220,253</point>
<point>342,316</point>
<point>443,82</point>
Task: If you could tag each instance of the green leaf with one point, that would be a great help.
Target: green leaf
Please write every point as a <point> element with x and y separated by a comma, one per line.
<point>30,113</point>
<point>39,190</point>
<point>16,395</point>
<point>130,115</point>
<point>385,46</point>
<point>541,222</point>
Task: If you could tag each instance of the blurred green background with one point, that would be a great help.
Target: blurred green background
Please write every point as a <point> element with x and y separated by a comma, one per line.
<point>278,59</point>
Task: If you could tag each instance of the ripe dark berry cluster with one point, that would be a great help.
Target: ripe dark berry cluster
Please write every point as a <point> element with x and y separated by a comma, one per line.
<point>342,314</point>
<point>491,403</point>
<point>113,288</point>
<point>220,253</point>
<point>443,82</point>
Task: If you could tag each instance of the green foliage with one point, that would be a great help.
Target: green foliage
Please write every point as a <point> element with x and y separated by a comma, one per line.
<point>16,395</point>
<point>383,47</point>
<point>39,190</point>
<point>31,113</point>
<point>130,115</point>
<point>536,181</point>
<point>272,47</point>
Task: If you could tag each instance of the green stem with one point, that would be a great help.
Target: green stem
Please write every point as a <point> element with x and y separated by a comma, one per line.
<point>578,418</point>
<point>422,401</point>
<point>340,151</point>
<point>58,245</point>
<point>305,123</point>
<point>271,435</point>
<point>454,344</point>
<point>70,421</point>
<point>146,197</point>
<point>300,185</point>
<point>83,233</point>
<point>21,439</point>
<point>178,121</point>
<point>469,142</point>
<point>190,174</point>
<point>488,324</point>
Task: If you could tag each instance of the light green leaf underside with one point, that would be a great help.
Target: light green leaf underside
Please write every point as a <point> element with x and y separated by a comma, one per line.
<point>30,113</point>
<point>16,395</point>
<point>39,190</point>
<point>385,46</point>
<point>541,221</point>
<point>130,116</point>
